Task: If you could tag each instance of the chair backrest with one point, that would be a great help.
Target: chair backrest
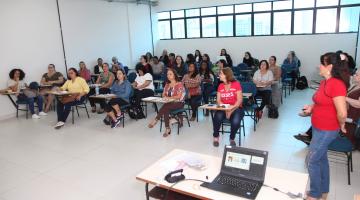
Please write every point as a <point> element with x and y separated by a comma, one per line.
<point>341,144</point>
<point>126,69</point>
<point>236,71</point>
<point>243,66</point>
<point>357,130</point>
<point>249,87</point>
<point>132,77</point>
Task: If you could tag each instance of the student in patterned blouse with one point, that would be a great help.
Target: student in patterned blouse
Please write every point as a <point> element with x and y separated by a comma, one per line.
<point>192,82</point>
<point>174,89</point>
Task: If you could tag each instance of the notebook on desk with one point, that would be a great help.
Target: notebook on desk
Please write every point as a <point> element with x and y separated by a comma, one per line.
<point>242,172</point>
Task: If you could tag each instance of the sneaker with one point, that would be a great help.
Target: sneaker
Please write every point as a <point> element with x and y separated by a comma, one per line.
<point>59,125</point>
<point>232,143</point>
<point>115,124</point>
<point>216,142</point>
<point>93,109</point>
<point>106,121</point>
<point>35,116</point>
<point>42,113</point>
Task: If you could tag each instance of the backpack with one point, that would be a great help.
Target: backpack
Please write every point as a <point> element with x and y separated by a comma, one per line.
<point>136,113</point>
<point>302,83</point>
<point>273,111</point>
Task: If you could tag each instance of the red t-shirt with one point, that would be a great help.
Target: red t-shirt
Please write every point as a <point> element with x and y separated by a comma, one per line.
<point>324,115</point>
<point>229,96</point>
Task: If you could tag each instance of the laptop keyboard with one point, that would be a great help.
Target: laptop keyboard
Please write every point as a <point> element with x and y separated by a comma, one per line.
<point>236,183</point>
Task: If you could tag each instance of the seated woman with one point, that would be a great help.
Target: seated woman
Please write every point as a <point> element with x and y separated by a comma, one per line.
<point>353,112</point>
<point>157,67</point>
<point>144,64</point>
<point>294,63</point>
<point>79,89</point>
<point>275,88</point>
<point>143,87</point>
<point>53,78</point>
<point>192,82</point>
<point>249,60</point>
<point>15,84</point>
<point>229,92</point>
<point>207,83</point>
<point>122,89</point>
<point>174,89</point>
<point>227,56</point>
<point>84,72</point>
<point>263,78</point>
<point>180,67</point>
<point>105,80</point>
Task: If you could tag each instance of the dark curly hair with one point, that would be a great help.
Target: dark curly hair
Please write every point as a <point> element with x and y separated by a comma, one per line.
<point>13,71</point>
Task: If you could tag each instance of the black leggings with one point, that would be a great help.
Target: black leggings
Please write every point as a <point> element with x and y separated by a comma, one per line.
<point>265,98</point>
<point>195,102</point>
<point>139,94</point>
<point>116,101</point>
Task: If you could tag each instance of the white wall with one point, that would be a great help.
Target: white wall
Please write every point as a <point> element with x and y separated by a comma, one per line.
<point>308,47</point>
<point>30,36</point>
<point>29,39</point>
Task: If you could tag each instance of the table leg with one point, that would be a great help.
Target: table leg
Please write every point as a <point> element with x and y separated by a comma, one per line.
<point>156,108</point>
<point>12,100</point>
<point>147,191</point>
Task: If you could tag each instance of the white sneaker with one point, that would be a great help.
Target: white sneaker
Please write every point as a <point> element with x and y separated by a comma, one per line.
<point>35,116</point>
<point>42,113</point>
<point>59,125</point>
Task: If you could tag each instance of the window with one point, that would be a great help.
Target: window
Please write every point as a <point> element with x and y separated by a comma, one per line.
<point>193,12</point>
<point>281,5</point>
<point>243,25</point>
<point>322,3</point>
<point>262,24</point>
<point>193,27</point>
<point>304,3</point>
<point>303,21</point>
<point>326,20</point>
<point>164,15</point>
<point>225,10</point>
<point>347,2</point>
<point>282,23</point>
<point>262,6</point>
<point>226,25</point>
<point>269,17</point>
<point>178,28</point>
<point>177,14</point>
<point>349,19</point>
<point>209,26</point>
<point>208,11</point>
<point>243,8</point>
<point>164,29</point>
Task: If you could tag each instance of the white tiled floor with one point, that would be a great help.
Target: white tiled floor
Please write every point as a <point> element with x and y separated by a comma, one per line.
<point>89,161</point>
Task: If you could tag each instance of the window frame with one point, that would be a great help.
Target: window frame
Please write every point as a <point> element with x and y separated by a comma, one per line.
<point>272,11</point>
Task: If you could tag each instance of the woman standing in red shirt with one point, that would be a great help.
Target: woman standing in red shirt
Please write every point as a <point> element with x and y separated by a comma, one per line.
<point>229,92</point>
<point>328,115</point>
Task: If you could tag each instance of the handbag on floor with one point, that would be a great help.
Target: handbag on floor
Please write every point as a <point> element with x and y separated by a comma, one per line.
<point>273,111</point>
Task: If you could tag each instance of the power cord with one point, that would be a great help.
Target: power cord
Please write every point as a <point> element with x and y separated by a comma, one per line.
<point>289,194</point>
<point>173,185</point>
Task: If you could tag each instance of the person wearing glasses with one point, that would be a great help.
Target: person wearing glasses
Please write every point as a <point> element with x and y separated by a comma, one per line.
<point>78,87</point>
<point>49,80</point>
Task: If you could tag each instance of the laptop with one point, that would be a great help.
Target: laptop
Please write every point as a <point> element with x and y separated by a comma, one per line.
<point>242,172</point>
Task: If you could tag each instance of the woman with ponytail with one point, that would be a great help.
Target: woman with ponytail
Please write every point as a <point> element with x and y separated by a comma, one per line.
<point>328,115</point>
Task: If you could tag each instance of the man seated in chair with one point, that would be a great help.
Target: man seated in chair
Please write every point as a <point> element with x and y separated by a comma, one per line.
<point>78,89</point>
<point>174,90</point>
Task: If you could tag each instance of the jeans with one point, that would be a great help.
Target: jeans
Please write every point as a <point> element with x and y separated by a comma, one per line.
<point>31,100</point>
<point>318,163</point>
<point>63,110</point>
<point>194,102</point>
<point>207,90</point>
<point>235,120</point>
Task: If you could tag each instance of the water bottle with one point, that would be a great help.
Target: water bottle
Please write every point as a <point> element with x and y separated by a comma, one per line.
<point>97,90</point>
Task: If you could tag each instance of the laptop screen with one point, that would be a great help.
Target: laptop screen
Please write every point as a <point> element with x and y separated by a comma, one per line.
<point>244,162</point>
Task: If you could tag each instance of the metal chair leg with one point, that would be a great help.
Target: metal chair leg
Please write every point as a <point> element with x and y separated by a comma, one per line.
<point>77,110</point>
<point>72,114</point>
<point>87,112</point>
<point>348,167</point>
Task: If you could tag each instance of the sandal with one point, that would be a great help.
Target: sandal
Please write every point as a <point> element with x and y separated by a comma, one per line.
<point>167,132</point>
<point>153,123</point>
<point>93,109</point>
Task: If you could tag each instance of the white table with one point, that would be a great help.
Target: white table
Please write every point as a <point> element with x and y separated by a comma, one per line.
<point>284,180</point>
